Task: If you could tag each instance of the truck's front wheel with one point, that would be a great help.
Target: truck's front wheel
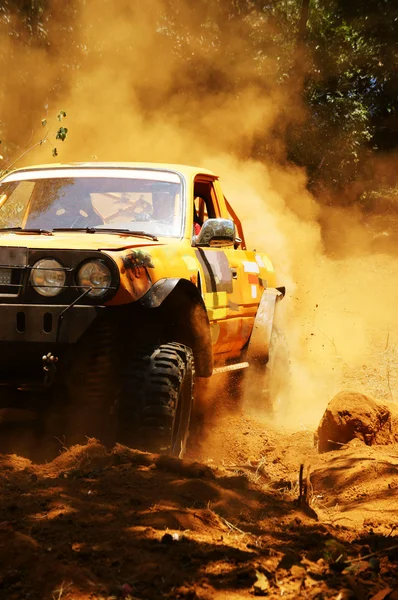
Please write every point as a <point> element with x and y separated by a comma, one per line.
<point>153,410</point>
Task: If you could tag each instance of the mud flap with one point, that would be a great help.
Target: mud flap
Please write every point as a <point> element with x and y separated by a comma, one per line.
<point>258,349</point>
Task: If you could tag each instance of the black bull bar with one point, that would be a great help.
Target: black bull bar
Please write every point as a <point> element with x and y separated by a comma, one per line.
<point>41,323</point>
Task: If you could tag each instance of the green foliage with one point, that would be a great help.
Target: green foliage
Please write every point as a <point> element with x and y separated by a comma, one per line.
<point>61,134</point>
<point>339,71</point>
<point>354,52</point>
<point>342,72</point>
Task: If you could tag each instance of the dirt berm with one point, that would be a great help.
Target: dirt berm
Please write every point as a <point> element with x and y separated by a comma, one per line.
<point>95,525</point>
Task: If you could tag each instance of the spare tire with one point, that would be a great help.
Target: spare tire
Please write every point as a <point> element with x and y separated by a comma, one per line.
<point>154,406</point>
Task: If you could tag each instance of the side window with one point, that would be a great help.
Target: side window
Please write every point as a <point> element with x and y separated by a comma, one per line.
<point>204,204</point>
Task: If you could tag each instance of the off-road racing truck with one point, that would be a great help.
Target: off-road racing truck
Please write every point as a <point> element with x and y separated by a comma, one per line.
<point>120,284</point>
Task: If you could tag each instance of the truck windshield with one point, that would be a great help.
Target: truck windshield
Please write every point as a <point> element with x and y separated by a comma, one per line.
<point>78,198</point>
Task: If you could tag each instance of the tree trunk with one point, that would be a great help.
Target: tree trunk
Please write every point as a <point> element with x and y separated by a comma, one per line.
<point>300,63</point>
<point>305,9</point>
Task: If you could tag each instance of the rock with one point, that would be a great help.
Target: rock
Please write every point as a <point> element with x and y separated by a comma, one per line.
<point>126,590</point>
<point>261,586</point>
<point>167,539</point>
<point>351,415</point>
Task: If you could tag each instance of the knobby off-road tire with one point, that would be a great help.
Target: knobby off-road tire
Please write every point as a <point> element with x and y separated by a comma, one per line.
<point>267,386</point>
<point>153,410</point>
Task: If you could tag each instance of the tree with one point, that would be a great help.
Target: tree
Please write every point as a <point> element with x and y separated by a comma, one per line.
<point>322,71</point>
<point>351,93</point>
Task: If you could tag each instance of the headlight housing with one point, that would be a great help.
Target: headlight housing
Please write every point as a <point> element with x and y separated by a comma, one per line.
<point>48,277</point>
<point>96,275</point>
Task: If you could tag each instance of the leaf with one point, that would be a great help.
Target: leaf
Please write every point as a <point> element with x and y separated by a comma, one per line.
<point>61,115</point>
<point>62,133</point>
<point>44,122</point>
<point>55,152</point>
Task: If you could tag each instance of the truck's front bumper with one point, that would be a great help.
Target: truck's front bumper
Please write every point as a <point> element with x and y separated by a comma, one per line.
<point>42,323</point>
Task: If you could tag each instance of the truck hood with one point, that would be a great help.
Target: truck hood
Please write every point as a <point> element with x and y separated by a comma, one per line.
<point>78,241</point>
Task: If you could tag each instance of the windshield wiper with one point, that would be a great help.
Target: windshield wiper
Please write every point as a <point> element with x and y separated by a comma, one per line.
<point>26,230</point>
<point>124,232</point>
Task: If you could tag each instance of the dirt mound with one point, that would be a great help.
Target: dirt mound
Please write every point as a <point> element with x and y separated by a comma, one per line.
<point>357,487</point>
<point>351,415</point>
<point>95,525</point>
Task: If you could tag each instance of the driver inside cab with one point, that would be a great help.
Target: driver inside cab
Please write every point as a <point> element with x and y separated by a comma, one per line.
<point>198,214</point>
<point>197,223</point>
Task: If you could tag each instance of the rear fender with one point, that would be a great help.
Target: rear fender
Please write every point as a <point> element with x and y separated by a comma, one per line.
<point>258,348</point>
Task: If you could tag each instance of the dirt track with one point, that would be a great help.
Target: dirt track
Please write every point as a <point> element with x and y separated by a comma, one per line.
<point>97,525</point>
<point>93,525</point>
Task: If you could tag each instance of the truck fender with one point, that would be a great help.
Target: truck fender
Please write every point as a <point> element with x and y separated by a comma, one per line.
<point>182,308</point>
<point>258,348</point>
<point>158,292</point>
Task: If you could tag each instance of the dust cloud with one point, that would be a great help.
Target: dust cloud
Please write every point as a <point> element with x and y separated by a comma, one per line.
<point>339,315</point>
<point>115,69</point>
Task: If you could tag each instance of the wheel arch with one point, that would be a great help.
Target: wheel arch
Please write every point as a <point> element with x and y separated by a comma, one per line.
<point>184,312</point>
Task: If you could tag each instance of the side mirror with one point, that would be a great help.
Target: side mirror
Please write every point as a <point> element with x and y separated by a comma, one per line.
<point>216,233</point>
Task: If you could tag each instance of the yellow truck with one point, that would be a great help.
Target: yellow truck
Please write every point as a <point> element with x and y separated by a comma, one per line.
<point>120,285</point>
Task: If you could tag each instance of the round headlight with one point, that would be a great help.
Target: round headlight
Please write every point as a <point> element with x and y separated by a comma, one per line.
<point>48,277</point>
<point>95,275</point>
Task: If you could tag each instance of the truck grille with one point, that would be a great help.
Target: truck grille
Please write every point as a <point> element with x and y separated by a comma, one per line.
<point>13,263</point>
<point>5,276</point>
<point>10,281</point>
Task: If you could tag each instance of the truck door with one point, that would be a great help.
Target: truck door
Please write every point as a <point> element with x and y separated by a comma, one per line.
<point>219,274</point>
